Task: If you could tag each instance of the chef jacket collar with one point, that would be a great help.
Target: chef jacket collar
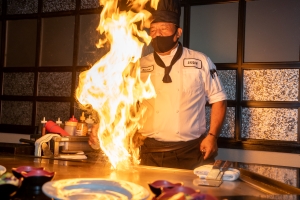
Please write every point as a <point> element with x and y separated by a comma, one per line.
<point>171,54</point>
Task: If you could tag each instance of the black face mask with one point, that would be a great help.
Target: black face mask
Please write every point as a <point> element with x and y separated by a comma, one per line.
<point>162,44</point>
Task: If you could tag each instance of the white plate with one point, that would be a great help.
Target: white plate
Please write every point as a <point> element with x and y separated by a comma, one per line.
<point>2,170</point>
<point>93,188</point>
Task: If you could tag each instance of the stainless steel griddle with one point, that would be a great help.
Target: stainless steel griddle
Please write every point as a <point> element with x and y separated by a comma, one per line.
<point>250,184</point>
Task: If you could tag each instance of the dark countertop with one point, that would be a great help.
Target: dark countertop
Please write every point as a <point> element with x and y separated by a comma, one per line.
<point>97,167</point>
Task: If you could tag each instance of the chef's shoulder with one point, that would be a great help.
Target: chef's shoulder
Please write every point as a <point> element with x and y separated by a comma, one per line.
<point>147,63</point>
<point>195,54</point>
<point>147,59</point>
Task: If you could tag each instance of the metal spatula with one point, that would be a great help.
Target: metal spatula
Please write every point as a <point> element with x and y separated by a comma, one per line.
<point>224,167</point>
<point>214,177</point>
<point>214,172</point>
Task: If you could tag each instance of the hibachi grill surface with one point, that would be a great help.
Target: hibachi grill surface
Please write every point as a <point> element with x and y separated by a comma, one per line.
<point>141,175</point>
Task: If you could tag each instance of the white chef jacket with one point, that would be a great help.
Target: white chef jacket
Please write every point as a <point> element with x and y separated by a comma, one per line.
<point>178,111</point>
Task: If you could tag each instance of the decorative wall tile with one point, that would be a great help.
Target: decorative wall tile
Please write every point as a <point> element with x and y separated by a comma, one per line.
<point>16,112</point>
<point>228,127</point>
<point>57,41</point>
<point>228,78</point>
<point>270,123</point>
<point>279,197</point>
<point>88,53</point>
<point>77,79</point>
<point>18,84</point>
<point>88,4</point>
<point>78,108</point>
<point>21,43</point>
<point>283,174</point>
<point>55,84</point>
<point>58,5</point>
<point>22,7</point>
<point>271,85</point>
<point>52,111</point>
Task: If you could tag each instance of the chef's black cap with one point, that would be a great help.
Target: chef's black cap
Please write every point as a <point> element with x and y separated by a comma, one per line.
<point>167,11</point>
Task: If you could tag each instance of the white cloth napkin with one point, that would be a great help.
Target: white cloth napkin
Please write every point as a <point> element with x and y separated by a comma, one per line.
<point>230,175</point>
<point>38,143</point>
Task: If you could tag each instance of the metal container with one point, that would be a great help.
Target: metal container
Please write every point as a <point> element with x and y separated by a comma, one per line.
<point>71,143</point>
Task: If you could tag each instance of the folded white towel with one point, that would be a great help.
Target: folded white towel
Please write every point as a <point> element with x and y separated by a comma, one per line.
<point>38,143</point>
<point>230,175</point>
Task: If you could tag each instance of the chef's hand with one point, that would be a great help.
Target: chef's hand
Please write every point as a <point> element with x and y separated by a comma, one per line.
<point>93,138</point>
<point>138,139</point>
<point>209,146</point>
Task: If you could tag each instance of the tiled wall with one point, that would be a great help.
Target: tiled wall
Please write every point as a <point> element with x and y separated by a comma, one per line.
<point>271,85</point>
<point>283,174</point>
<point>56,50</point>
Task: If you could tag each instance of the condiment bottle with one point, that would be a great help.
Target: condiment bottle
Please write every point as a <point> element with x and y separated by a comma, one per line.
<point>43,130</point>
<point>59,123</point>
<point>81,129</point>
<point>89,121</point>
<point>70,126</point>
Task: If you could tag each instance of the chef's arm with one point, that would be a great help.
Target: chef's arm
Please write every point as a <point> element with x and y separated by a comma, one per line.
<point>217,116</point>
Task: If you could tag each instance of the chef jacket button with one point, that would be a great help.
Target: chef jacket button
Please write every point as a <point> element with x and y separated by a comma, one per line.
<point>177,111</point>
<point>178,132</point>
<point>157,112</point>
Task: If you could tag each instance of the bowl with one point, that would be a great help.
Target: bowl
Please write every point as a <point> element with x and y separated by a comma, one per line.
<point>17,171</point>
<point>183,196</point>
<point>158,186</point>
<point>177,189</point>
<point>9,184</point>
<point>180,192</point>
<point>35,179</point>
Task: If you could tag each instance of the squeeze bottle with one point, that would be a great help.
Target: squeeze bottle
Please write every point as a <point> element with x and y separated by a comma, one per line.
<point>43,122</point>
<point>81,129</point>
<point>70,126</point>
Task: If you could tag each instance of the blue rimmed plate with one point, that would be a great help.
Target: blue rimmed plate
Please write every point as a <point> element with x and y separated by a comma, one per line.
<point>94,188</point>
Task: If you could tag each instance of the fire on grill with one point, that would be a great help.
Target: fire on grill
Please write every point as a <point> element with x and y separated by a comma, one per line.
<point>112,86</point>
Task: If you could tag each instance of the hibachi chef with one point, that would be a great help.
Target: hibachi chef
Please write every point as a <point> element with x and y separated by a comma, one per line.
<point>184,81</point>
<point>175,134</point>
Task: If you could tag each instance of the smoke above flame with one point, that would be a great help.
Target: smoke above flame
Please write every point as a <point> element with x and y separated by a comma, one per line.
<point>112,86</point>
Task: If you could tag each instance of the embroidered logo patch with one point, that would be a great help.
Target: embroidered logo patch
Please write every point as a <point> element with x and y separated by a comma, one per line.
<point>192,62</point>
<point>147,69</point>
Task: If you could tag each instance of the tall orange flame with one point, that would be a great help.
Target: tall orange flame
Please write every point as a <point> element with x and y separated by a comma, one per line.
<point>112,86</point>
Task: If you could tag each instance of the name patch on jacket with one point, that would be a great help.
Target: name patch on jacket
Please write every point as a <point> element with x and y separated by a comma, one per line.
<point>192,62</point>
<point>147,69</point>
